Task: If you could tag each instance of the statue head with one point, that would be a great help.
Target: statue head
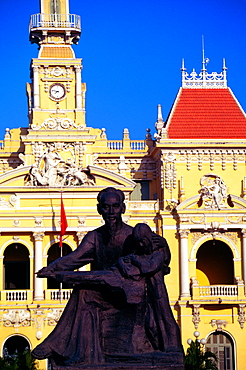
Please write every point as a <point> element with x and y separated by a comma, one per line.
<point>111,206</point>
<point>142,235</point>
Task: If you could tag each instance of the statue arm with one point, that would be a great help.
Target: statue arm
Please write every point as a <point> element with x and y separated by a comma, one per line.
<point>150,264</point>
<point>78,258</point>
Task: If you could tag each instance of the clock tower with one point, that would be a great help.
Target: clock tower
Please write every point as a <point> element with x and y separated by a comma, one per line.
<point>56,95</point>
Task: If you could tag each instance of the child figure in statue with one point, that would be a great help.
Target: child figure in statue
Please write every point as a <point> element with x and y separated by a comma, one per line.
<point>154,315</point>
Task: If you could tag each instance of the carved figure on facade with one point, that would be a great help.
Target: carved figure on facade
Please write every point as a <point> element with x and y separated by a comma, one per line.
<point>218,323</point>
<point>52,170</point>
<point>213,192</point>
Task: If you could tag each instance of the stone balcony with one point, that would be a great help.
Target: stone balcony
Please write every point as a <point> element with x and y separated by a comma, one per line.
<point>218,292</point>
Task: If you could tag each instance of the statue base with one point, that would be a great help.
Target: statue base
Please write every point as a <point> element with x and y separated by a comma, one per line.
<point>154,361</point>
<point>120,367</point>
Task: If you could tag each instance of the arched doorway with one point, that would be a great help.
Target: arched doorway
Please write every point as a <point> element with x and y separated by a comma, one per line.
<point>222,345</point>
<point>214,263</point>
<point>16,267</point>
<point>14,345</point>
<point>54,252</point>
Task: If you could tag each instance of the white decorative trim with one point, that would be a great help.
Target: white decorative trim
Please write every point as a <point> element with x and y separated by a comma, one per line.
<point>204,79</point>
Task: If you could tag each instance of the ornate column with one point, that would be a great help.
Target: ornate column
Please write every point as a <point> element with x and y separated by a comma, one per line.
<point>38,264</point>
<point>243,232</point>
<point>78,87</point>
<point>184,267</point>
<point>35,87</point>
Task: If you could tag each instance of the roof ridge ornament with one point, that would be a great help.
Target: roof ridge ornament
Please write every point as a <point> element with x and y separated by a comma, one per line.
<point>204,79</point>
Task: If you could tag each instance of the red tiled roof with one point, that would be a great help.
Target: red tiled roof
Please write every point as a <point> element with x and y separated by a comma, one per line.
<point>206,114</point>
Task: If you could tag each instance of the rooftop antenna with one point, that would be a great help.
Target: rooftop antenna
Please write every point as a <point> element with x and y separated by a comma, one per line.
<point>204,60</point>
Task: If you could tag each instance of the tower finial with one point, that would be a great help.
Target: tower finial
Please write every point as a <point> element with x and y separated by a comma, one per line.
<point>159,123</point>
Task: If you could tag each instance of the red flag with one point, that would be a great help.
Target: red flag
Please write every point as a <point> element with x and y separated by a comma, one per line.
<point>63,222</point>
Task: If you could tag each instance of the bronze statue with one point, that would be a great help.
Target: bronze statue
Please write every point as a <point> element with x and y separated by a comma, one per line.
<point>119,311</point>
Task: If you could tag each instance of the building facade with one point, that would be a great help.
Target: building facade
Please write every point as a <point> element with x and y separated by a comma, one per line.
<point>188,184</point>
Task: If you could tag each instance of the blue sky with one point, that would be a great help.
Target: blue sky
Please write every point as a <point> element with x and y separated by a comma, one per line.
<point>132,52</point>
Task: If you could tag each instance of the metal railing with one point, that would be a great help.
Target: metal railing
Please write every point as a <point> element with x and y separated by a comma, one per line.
<point>55,21</point>
<point>218,290</point>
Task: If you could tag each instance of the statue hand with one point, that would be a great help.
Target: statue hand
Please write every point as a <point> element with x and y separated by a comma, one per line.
<point>45,272</point>
<point>122,266</point>
<point>134,260</point>
<point>159,241</point>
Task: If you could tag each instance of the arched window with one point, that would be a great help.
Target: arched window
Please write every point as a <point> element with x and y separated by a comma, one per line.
<point>54,253</point>
<point>214,264</point>
<point>16,267</point>
<point>15,344</point>
<point>222,345</point>
<point>55,7</point>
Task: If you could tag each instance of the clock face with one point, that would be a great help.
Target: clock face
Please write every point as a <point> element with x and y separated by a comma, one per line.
<point>57,91</point>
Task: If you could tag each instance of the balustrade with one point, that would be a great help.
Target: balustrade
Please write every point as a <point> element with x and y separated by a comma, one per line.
<point>56,294</point>
<point>119,144</point>
<point>15,295</point>
<point>218,290</point>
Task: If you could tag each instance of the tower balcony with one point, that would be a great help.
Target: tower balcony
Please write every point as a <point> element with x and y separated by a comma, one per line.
<point>54,28</point>
<point>42,21</point>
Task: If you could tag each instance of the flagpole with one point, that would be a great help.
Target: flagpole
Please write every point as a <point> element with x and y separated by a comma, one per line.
<point>64,225</point>
<point>61,256</point>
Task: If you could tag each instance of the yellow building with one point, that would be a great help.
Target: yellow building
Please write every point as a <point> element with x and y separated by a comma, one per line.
<point>189,184</point>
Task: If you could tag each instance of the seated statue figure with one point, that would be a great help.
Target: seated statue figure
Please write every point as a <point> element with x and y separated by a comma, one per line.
<point>120,309</point>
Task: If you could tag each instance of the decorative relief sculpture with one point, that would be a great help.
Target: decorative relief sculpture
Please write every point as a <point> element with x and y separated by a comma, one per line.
<point>241,315</point>
<point>38,318</point>
<point>8,204</point>
<point>52,170</point>
<point>219,324</point>
<point>196,315</point>
<point>213,192</point>
<point>54,316</point>
<point>16,318</point>
<point>170,171</point>
<point>57,123</point>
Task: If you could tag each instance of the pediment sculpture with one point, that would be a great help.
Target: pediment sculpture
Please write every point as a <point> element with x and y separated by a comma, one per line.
<point>52,170</point>
<point>214,192</point>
